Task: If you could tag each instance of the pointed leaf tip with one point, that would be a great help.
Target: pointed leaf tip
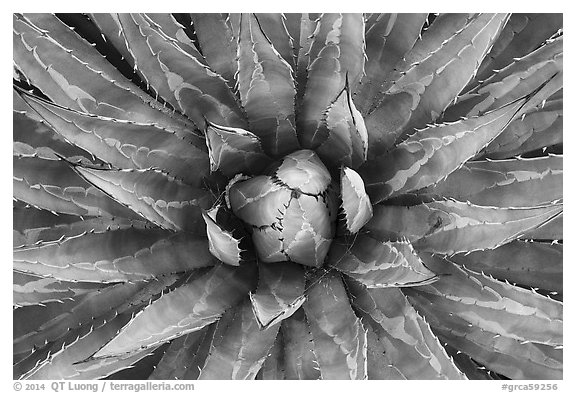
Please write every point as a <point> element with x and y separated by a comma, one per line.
<point>355,202</point>
<point>280,292</point>
<point>340,341</point>
<point>344,132</point>
<point>186,309</point>
<point>266,89</point>
<point>222,243</point>
<point>378,264</point>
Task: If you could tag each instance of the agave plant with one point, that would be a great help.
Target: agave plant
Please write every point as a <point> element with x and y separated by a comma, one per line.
<point>288,196</point>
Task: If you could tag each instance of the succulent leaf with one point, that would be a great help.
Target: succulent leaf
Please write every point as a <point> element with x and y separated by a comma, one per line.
<point>388,38</point>
<point>30,129</point>
<point>431,154</point>
<point>524,75</point>
<point>222,243</point>
<point>528,263</point>
<point>409,350</point>
<point>177,77</point>
<point>505,183</point>
<point>552,230</point>
<point>504,355</point>
<point>306,27</point>
<point>299,358</point>
<point>153,194</point>
<point>266,88</point>
<point>51,184</point>
<point>66,357</point>
<point>234,150</point>
<point>343,133</point>
<point>273,366</point>
<point>112,251</point>
<point>339,337</point>
<point>450,227</point>
<point>239,347</point>
<point>523,34</point>
<point>304,171</point>
<point>537,129</point>
<point>173,172</point>
<point>279,294</point>
<point>31,290</point>
<point>274,27</point>
<point>80,312</point>
<point>127,144</point>
<point>378,264</point>
<point>291,213</point>
<point>201,352</point>
<point>42,42</point>
<point>423,88</point>
<point>218,44</point>
<point>112,29</point>
<point>494,306</point>
<point>355,202</point>
<point>336,56</point>
<point>179,355</point>
<point>188,308</point>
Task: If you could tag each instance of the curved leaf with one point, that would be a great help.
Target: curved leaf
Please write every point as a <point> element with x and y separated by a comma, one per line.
<point>112,251</point>
<point>171,27</point>
<point>279,294</point>
<point>527,263</point>
<point>30,290</point>
<point>218,44</point>
<point>177,77</point>
<point>299,359</point>
<point>153,194</point>
<point>409,350</point>
<point>222,243</point>
<point>424,86</point>
<point>179,355</point>
<point>449,227</point>
<point>51,184</point>
<point>433,153</point>
<point>239,347</point>
<point>512,358</point>
<point>355,202</point>
<point>274,26</point>
<point>494,306</point>
<point>339,337</point>
<point>126,144</point>
<point>30,129</point>
<point>266,89</point>
<point>56,60</point>
<point>538,129</point>
<point>388,38</point>
<point>273,366</point>
<point>552,230</point>
<point>234,150</point>
<point>26,218</point>
<point>306,26</point>
<point>505,183</point>
<point>542,66</point>
<point>188,308</point>
<point>336,55</point>
<point>65,357</point>
<point>523,34</point>
<point>94,304</point>
<point>343,133</point>
<point>379,264</point>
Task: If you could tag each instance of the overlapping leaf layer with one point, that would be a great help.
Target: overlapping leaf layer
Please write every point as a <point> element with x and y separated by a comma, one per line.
<point>288,196</point>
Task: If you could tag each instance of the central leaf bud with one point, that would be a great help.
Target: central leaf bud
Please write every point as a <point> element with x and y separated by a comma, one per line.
<point>291,212</point>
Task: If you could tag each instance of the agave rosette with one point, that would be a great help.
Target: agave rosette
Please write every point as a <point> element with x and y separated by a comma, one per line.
<point>288,196</point>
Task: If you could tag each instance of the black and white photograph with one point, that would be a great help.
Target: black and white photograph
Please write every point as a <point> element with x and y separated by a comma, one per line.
<point>287,196</point>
